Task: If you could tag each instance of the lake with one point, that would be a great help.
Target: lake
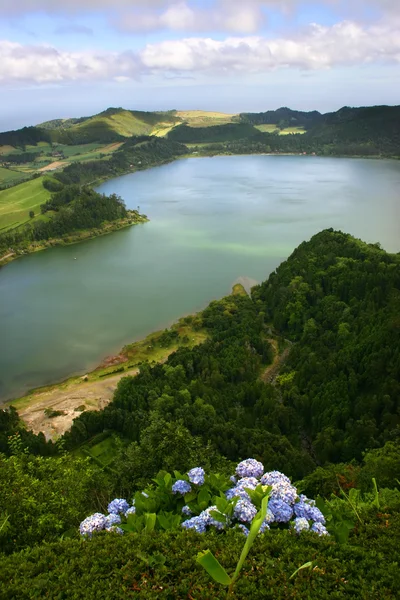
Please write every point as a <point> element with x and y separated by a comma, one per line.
<point>213,221</point>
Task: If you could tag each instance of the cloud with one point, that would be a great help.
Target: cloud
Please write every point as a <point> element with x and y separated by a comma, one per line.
<point>46,64</point>
<point>343,44</point>
<point>180,16</point>
<point>320,47</point>
<point>8,7</point>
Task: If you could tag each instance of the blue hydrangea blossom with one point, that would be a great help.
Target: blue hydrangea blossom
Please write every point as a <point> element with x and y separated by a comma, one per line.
<point>91,524</point>
<point>196,476</point>
<point>301,524</point>
<point>196,523</point>
<point>181,487</point>
<point>281,510</point>
<point>250,468</point>
<point>320,529</point>
<point>118,506</point>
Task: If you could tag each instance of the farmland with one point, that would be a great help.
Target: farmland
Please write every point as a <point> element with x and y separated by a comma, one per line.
<point>17,201</point>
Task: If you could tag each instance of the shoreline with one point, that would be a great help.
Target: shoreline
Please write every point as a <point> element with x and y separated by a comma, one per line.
<point>73,238</point>
<point>95,389</point>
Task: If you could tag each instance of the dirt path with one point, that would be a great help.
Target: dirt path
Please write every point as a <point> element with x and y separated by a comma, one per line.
<point>272,371</point>
<point>6,256</point>
<point>94,395</point>
<point>54,165</point>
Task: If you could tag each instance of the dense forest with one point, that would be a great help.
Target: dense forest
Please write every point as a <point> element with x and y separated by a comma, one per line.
<point>329,419</point>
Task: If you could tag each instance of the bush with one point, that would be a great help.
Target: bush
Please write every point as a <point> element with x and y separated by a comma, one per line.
<point>163,565</point>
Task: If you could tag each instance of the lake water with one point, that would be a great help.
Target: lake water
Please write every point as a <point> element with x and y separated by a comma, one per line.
<point>213,221</point>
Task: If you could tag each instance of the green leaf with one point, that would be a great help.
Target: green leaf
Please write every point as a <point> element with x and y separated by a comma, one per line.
<point>208,561</point>
<point>203,498</point>
<point>218,516</point>
<point>307,565</point>
<point>150,522</point>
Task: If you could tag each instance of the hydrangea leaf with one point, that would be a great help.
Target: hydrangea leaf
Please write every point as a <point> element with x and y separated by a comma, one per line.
<point>208,561</point>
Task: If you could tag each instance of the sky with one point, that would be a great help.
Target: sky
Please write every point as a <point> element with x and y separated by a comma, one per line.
<point>70,58</point>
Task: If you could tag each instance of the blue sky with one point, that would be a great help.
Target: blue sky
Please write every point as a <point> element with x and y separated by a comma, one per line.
<point>61,58</point>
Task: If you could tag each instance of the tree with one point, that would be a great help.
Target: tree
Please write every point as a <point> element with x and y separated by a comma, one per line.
<point>31,214</point>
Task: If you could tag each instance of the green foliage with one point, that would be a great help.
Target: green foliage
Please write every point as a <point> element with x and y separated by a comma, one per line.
<point>336,297</point>
<point>45,497</point>
<point>208,561</point>
<point>161,565</point>
<point>216,133</point>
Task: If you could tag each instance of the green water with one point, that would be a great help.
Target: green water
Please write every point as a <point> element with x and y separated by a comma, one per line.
<point>213,221</point>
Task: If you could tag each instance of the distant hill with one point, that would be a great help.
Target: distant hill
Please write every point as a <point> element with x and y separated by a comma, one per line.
<point>283,117</point>
<point>370,131</point>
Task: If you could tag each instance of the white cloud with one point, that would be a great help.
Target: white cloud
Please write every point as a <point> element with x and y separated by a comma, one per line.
<point>319,47</point>
<point>45,64</point>
<point>180,16</point>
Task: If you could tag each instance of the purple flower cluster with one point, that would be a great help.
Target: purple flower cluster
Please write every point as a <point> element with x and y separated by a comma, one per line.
<point>301,524</point>
<point>181,487</point>
<point>112,519</point>
<point>186,510</point>
<point>196,523</point>
<point>239,490</point>
<point>306,508</point>
<point>244,511</point>
<point>320,529</point>
<point>91,524</point>
<point>110,522</point>
<point>281,510</point>
<point>118,506</point>
<point>196,476</point>
<point>250,468</point>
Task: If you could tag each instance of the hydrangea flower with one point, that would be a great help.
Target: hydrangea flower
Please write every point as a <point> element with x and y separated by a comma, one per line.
<point>196,476</point>
<point>281,510</point>
<point>264,527</point>
<point>196,523</point>
<point>130,511</point>
<point>244,529</point>
<point>181,487</point>
<point>118,506</point>
<point>209,519</point>
<point>91,524</point>
<point>233,479</point>
<point>273,477</point>
<point>115,529</point>
<point>250,468</point>
<point>111,520</point>
<point>306,508</point>
<point>320,529</point>
<point>301,524</point>
<point>239,491</point>
<point>245,511</point>
<point>186,511</point>
<point>282,489</point>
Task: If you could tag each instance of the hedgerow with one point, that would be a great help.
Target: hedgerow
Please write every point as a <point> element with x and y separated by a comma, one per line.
<point>163,565</point>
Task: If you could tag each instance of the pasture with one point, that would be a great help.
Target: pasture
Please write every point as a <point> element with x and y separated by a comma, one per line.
<point>17,201</point>
<point>203,118</point>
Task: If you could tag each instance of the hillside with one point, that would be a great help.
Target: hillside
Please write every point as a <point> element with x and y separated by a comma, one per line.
<point>328,419</point>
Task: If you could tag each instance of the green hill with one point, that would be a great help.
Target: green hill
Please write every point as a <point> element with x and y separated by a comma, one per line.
<point>303,376</point>
<point>113,125</point>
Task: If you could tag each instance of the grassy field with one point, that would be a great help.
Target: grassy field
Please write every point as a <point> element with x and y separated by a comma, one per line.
<point>271,128</point>
<point>202,118</point>
<point>12,176</point>
<point>17,201</point>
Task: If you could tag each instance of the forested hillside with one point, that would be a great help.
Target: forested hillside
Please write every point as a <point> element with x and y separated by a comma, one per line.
<point>303,376</point>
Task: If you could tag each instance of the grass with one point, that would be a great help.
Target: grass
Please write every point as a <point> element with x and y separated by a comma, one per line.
<point>267,128</point>
<point>11,176</point>
<point>16,202</point>
<point>103,452</point>
<point>202,118</point>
